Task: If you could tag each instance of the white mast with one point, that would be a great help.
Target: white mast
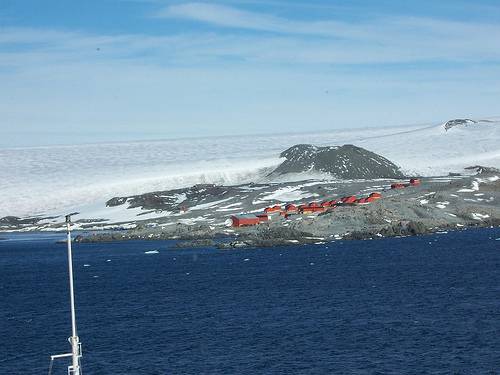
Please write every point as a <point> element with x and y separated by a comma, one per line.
<point>76,346</point>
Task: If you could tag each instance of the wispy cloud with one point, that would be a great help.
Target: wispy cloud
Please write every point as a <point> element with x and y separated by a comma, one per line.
<point>227,16</point>
<point>400,38</point>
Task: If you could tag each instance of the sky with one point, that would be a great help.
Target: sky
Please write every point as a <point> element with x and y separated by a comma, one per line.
<point>99,71</point>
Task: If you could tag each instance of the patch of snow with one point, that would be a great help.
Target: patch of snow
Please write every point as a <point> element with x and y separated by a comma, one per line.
<point>474,187</point>
<point>478,216</point>
<point>204,206</point>
<point>228,209</point>
<point>237,204</point>
<point>287,194</point>
<point>194,220</point>
<point>442,204</point>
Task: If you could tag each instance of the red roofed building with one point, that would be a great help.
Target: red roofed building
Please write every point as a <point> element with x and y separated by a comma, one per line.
<point>244,221</point>
<point>273,209</point>
<point>349,200</point>
<point>312,210</point>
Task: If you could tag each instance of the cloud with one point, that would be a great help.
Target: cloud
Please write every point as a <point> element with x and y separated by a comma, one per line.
<point>227,16</point>
<point>401,38</point>
<point>401,41</point>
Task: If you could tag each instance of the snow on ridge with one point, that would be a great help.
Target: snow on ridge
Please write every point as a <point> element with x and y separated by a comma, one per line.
<point>433,151</point>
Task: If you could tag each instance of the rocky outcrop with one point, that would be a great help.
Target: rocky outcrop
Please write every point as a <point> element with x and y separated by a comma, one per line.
<point>458,122</point>
<point>17,221</point>
<point>482,169</point>
<point>463,122</point>
<point>173,200</point>
<point>346,162</point>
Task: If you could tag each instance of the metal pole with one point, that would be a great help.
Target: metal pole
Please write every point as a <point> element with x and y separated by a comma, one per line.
<point>75,342</point>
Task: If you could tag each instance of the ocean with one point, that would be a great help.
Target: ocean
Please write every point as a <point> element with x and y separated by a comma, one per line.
<point>418,305</point>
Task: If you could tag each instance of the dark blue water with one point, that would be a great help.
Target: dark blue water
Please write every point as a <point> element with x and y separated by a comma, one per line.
<point>421,305</point>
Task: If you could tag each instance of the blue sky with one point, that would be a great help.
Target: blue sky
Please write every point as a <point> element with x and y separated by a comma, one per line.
<point>98,71</point>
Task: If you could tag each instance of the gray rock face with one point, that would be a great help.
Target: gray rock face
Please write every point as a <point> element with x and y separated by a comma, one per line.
<point>464,122</point>
<point>458,122</point>
<point>344,162</point>
<point>14,220</point>
<point>173,199</point>
<point>483,170</point>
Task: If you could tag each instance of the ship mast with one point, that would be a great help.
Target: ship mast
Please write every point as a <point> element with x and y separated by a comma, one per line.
<point>76,346</point>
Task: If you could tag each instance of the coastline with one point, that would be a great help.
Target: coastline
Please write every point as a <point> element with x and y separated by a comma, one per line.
<point>437,204</point>
<point>273,237</point>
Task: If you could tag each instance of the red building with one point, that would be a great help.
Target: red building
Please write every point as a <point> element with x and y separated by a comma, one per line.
<point>273,209</point>
<point>312,210</point>
<point>244,221</point>
<point>349,200</point>
<point>262,217</point>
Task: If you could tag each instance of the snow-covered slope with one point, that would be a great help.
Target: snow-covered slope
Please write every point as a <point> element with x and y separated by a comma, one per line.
<point>435,150</point>
<point>45,180</point>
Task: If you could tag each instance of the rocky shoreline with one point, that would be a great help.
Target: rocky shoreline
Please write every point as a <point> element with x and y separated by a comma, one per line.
<point>271,237</point>
<point>438,204</point>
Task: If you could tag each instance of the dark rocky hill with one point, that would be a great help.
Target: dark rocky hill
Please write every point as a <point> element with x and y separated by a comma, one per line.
<point>343,162</point>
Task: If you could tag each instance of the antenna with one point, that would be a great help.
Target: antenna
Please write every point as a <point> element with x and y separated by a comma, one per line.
<point>76,346</point>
